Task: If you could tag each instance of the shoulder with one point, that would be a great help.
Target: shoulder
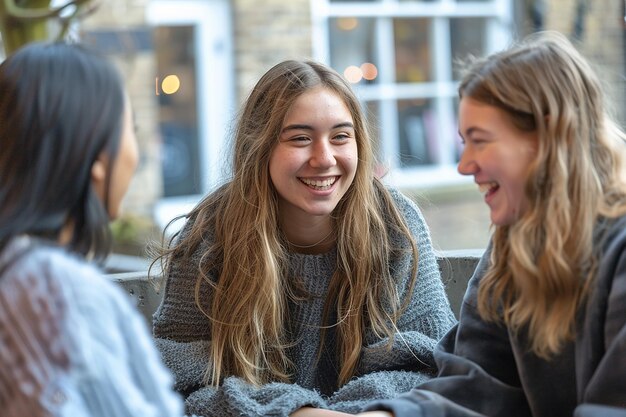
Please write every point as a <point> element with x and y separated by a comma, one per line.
<point>612,235</point>
<point>406,206</point>
<point>33,259</point>
<point>75,282</point>
<point>402,201</point>
<point>83,278</point>
<point>611,238</point>
<point>55,289</point>
<point>607,299</point>
<point>409,211</point>
<point>471,294</point>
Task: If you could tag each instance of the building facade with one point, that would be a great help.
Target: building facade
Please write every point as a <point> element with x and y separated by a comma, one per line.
<point>189,64</point>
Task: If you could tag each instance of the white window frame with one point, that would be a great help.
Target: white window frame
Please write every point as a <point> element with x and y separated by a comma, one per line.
<point>215,89</point>
<point>442,90</point>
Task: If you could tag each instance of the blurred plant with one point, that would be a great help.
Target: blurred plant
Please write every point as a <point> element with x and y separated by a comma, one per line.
<point>24,21</point>
<point>132,233</point>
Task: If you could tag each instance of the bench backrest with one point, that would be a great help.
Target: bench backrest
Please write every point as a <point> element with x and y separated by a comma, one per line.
<point>456,268</point>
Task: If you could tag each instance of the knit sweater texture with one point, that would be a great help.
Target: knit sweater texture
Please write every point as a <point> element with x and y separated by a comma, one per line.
<point>71,342</point>
<point>182,334</point>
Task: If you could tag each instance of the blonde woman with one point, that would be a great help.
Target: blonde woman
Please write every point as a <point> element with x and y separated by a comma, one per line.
<point>303,282</point>
<point>542,330</point>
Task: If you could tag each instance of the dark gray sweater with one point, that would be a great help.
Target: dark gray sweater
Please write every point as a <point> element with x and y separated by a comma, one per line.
<point>487,371</point>
<point>183,333</point>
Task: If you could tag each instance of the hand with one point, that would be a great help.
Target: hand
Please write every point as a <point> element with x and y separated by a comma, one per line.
<point>319,412</point>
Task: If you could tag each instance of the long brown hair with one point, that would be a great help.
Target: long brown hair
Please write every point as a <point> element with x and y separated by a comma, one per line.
<point>543,264</point>
<point>246,260</point>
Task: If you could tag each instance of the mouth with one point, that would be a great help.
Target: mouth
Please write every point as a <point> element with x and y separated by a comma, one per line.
<point>319,184</point>
<point>488,188</point>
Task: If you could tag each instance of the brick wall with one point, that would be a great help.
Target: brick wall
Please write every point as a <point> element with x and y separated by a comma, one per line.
<point>138,68</point>
<point>601,40</point>
<point>267,32</point>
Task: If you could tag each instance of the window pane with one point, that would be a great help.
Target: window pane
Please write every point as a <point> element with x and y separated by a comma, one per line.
<point>178,123</point>
<point>418,132</point>
<point>372,115</point>
<point>458,144</point>
<point>467,36</point>
<point>413,54</point>
<point>355,1</point>
<point>352,46</point>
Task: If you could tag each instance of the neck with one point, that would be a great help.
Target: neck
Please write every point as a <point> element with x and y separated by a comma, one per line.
<point>314,238</point>
<point>65,236</point>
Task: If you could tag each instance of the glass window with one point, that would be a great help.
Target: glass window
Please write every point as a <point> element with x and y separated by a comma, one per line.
<point>352,48</point>
<point>414,45</point>
<point>467,36</point>
<point>178,124</point>
<point>417,132</point>
<point>413,51</point>
<point>371,109</point>
<point>457,141</point>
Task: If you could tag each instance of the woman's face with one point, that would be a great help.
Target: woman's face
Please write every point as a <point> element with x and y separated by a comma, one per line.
<point>315,160</point>
<point>499,156</point>
<point>123,167</point>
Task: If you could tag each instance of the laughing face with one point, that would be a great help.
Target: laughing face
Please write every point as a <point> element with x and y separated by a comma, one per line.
<point>315,160</point>
<point>498,155</point>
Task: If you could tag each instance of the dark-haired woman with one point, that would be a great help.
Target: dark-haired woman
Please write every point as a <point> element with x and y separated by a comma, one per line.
<point>71,344</point>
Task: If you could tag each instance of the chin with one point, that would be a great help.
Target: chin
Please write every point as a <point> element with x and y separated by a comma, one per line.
<point>502,222</point>
<point>498,220</point>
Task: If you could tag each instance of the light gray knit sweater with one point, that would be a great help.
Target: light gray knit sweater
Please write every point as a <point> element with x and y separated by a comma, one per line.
<point>71,342</point>
<point>182,334</point>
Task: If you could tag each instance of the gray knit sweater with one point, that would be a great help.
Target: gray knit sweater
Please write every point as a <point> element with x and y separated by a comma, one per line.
<point>182,334</point>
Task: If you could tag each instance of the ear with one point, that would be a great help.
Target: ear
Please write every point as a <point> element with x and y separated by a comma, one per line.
<point>98,175</point>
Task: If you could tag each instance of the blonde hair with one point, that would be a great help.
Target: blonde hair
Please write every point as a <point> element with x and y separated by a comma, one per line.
<point>247,255</point>
<point>543,265</point>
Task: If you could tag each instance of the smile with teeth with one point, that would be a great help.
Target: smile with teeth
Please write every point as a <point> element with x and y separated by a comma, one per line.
<point>488,188</point>
<point>324,184</point>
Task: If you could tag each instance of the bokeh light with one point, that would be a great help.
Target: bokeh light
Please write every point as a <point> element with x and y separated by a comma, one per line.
<point>369,71</point>
<point>347,23</point>
<point>170,84</point>
<point>353,74</point>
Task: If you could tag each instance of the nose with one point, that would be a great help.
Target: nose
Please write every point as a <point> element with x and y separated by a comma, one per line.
<point>322,155</point>
<point>467,163</point>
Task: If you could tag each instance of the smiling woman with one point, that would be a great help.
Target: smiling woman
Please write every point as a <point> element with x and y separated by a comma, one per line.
<point>303,282</point>
<point>542,328</point>
<point>499,155</point>
<point>313,166</point>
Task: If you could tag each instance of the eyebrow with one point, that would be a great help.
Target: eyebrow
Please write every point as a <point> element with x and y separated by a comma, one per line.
<point>473,129</point>
<point>309,127</point>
